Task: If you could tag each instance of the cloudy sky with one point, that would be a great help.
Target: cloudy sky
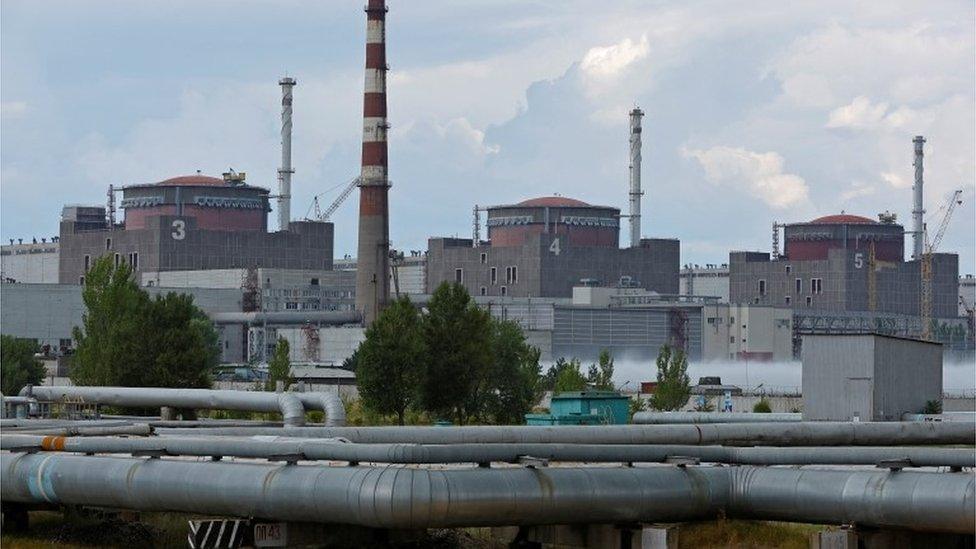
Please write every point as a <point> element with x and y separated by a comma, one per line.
<point>756,111</point>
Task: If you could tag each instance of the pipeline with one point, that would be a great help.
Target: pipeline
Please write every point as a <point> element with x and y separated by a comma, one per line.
<point>292,406</point>
<point>135,429</point>
<point>729,434</point>
<point>340,450</point>
<point>413,498</point>
<point>666,418</point>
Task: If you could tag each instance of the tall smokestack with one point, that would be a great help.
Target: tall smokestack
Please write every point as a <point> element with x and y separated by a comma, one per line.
<point>635,176</point>
<point>918,210</point>
<point>372,270</point>
<point>284,173</point>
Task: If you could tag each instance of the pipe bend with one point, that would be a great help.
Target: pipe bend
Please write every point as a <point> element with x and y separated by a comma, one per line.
<point>335,411</point>
<point>292,411</point>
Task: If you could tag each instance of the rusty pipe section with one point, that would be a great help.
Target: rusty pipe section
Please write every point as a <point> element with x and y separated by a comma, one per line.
<point>812,433</point>
<point>292,406</point>
<point>412,498</point>
<point>340,450</point>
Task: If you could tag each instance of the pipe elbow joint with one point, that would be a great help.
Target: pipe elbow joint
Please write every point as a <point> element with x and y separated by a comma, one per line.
<point>292,411</point>
<point>335,411</point>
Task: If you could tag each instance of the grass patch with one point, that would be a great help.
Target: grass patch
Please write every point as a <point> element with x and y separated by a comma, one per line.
<point>746,533</point>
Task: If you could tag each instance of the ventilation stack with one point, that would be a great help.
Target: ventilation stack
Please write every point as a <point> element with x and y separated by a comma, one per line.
<point>918,210</point>
<point>284,173</point>
<point>372,270</point>
<point>635,177</point>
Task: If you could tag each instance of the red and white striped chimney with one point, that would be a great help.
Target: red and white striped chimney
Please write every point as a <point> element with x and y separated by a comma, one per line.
<point>372,270</point>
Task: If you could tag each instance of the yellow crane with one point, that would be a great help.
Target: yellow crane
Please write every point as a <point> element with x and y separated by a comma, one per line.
<point>925,303</point>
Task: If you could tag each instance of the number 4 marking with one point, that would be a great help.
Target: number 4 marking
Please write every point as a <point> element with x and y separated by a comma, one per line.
<point>554,247</point>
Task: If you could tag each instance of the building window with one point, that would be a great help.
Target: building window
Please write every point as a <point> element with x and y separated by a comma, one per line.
<point>81,280</point>
<point>731,339</point>
<point>762,287</point>
<point>809,301</point>
<point>459,276</point>
<point>134,260</point>
<point>514,274</point>
<point>87,263</point>
<point>118,259</point>
<point>291,305</point>
<point>314,282</point>
<point>108,243</point>
<point>816,285</point>
<point>731,320</point>
<point>789,269</point>
<point>484,290</point>
<point>508,275</point>
<point>484,258</point>
<point>494,276</point>
<point>799,285</point>
<point>504,290</point>
<point>788,300</point>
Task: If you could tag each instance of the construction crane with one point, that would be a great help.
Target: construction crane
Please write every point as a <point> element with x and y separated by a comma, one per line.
<point>324,216</point>
<point>926,267</point>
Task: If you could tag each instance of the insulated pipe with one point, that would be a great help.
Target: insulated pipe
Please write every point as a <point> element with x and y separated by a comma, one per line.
<point>665,418</point>
<point>814,433</point>
<point>335,410</point>
<point>412,498</point>
<point>292,406</point>
<point>339,450</point>
<point>137,429</point>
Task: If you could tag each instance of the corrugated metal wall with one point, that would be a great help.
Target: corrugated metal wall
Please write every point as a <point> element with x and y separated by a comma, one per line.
<point>583,333</point>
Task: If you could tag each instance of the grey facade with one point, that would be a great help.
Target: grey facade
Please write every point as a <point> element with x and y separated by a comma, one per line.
<point>173,243</point>
<point>47,313</point>
<point>868,377</point>
<point>545,269</point>
<point>842,282</point>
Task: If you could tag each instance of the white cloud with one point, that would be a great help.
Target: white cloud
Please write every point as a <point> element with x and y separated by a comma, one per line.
<point>895,180</point>
<point>860,113</point>
<point>13,109</point>
<point>610,61</point>
<point>857,189</point>
<point>759,174</point>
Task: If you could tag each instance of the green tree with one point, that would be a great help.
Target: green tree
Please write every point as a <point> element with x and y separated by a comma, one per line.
<point>108,345</point>
<point>600,375</point>
<point>390,360</point>
<point>351,361</point>
<point>510,388</point>
<point>762,407</point>
<point>181,344</point>
<point>18,367</point>
<point>673,384</point>
<point>458,339</point>
<point>128,339</point>
<point>568,377</point>
<point>279,368</point>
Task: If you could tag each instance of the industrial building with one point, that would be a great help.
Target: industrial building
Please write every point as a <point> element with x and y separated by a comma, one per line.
<point>869,377</point>
<point>30,262</point>
<point>841,263</point>
<point>543,247</point>
<point>708,280</point>
<point>190,223</point>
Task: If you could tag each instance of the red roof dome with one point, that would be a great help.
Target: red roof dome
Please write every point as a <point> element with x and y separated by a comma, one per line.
<point>842,219</point>
<point>193,180</point>
<point>552,202</point>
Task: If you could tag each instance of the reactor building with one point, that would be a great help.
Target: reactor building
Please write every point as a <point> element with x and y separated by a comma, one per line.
<point>543,247</point>
<point>193,222</point>
<point>843,263</point>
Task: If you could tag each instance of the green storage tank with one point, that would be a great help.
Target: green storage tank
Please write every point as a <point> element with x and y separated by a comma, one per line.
<point>584,408</point>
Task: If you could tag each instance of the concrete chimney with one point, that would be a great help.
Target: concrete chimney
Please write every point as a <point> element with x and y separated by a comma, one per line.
<point>635,177</point>
<point>284,173</point>
<point>918,209</point>
<point>372,269</point>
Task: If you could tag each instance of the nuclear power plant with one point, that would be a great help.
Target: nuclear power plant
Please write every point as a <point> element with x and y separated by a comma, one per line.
<point>555,263</point>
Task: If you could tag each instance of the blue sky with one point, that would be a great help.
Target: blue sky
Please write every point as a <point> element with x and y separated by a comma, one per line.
<point>756,111</point>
